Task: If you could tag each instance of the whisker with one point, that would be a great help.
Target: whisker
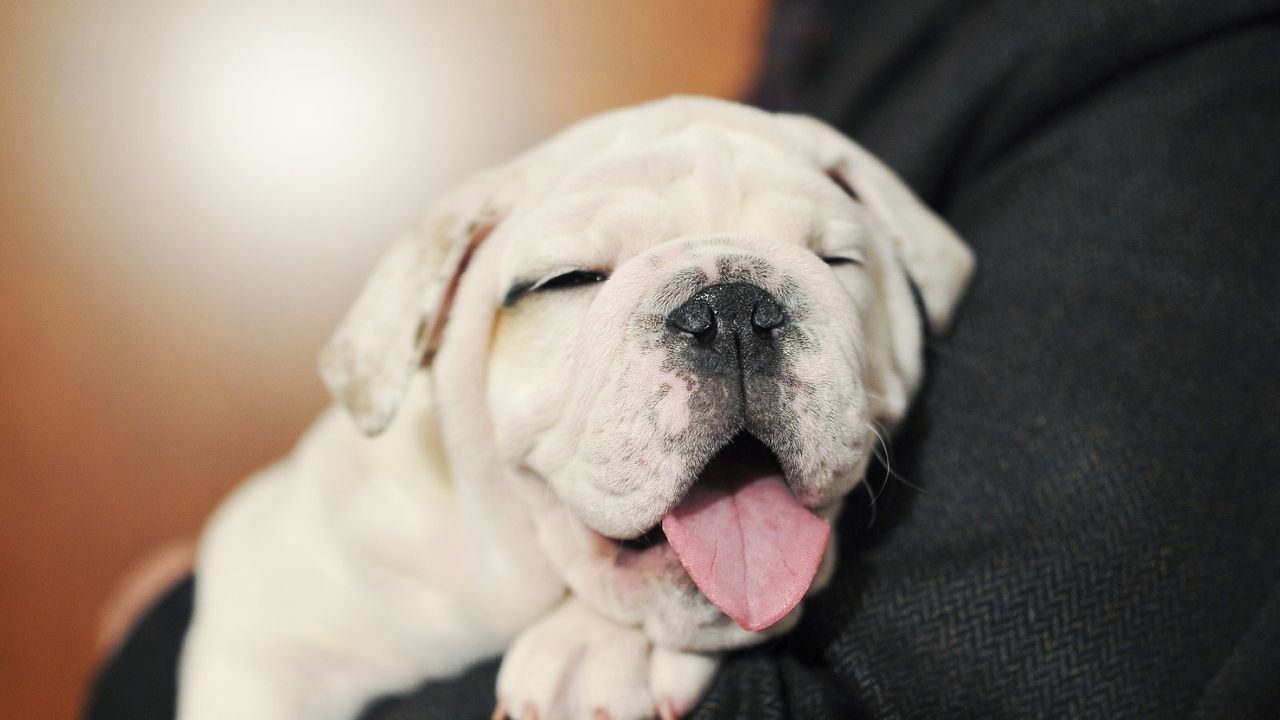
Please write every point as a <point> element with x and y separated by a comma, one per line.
<point>871,493</point>
<point>884,455</point>
<point>884,482</point>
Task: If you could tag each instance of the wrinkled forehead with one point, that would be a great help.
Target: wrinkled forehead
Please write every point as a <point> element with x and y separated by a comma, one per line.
<point>632,194</point>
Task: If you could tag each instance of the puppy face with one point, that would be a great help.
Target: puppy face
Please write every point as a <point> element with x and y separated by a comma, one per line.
<point>656,331</point>
<point>685,315</point>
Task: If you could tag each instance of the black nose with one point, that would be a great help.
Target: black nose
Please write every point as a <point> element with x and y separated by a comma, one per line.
<point>730,328</point>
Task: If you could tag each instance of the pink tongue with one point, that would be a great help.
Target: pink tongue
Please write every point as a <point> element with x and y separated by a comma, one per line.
<point>748,545</point>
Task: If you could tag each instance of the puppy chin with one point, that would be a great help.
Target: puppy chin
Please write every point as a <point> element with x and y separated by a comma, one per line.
<point>655,588</point>
<point>648,587</point>
<point>640,580</point>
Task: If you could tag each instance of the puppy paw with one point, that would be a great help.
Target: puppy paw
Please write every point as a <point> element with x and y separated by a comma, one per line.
<point>576,665</point>
<point>677,680</point>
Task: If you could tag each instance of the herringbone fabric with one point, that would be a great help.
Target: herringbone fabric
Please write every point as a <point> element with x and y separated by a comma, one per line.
<point>1086,522</point>
<point>1097,532</point>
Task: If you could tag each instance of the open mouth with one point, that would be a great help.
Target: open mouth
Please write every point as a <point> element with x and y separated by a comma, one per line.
<point>746,542</point>
<point>743,456</point>
<point>653,537</point>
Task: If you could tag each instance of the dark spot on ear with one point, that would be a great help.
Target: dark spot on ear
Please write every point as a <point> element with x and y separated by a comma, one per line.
<point>838,179</point>
<point>478,233</point>
<point>420,339</point>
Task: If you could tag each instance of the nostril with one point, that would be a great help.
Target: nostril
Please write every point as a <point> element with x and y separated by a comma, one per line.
<point>692,317</point>
<point>766,315</point>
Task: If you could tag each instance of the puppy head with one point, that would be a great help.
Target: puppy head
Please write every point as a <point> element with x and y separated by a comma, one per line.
<point>687,315</point>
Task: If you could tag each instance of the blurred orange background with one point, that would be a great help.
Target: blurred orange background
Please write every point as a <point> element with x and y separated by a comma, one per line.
<point>190,194</point>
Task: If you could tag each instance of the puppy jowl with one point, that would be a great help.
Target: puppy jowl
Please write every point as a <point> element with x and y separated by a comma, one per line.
<point>597,414</point>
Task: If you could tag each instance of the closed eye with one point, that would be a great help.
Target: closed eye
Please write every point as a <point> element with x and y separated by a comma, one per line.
<point>571,279</point>
<point>836,260</point>
<point>561,281</point>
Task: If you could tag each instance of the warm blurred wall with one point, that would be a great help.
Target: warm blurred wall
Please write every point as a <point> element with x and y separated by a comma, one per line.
<point>190,192</point>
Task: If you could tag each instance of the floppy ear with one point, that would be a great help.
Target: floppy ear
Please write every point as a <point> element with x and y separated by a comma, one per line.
<point>395,324</point>
<point>913,249</point>
<point>934,257</point>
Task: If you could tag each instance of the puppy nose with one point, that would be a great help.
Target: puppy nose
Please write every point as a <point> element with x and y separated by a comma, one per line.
<point>731,327</point>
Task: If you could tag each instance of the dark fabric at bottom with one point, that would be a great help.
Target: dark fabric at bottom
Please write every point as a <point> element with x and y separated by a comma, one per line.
<point>1087,520</point>
<point>139,681</point>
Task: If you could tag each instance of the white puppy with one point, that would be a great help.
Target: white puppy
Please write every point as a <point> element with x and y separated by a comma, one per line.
<point>633,373</point>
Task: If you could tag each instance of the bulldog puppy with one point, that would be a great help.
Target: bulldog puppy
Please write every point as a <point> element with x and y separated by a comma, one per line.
<point>633,374</point>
